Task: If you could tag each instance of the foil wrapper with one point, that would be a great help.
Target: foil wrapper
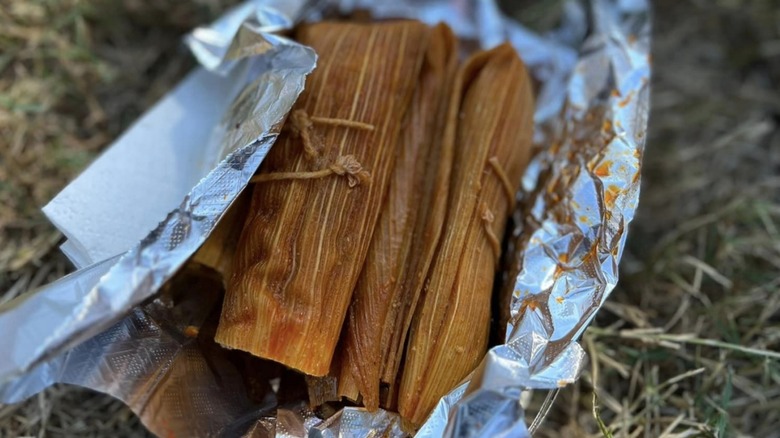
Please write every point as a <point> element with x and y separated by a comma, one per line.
<point>110,327</point>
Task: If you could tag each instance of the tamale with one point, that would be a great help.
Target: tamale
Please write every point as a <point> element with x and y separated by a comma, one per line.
<point>493,110</point>
<point>308,230</point>
<point>406,234</point>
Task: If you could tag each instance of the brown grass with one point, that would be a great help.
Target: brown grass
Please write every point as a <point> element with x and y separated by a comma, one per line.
<point>687,344</point>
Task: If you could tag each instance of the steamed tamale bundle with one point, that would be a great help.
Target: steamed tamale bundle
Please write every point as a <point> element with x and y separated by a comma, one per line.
<point>492,108</point>
<point>308,231</point>
<point>406,235</point>
<point>374,228</point>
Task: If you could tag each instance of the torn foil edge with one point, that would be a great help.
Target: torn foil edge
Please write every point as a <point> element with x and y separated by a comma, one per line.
<point>574,228</point>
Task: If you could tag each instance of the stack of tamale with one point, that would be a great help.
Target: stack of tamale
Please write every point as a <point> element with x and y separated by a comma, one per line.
<point>375,224</point>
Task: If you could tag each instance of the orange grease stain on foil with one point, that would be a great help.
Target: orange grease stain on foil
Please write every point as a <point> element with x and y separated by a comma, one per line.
<point>603,169</point>
<point>591,254</point>
<point>626,101</point>
<point>610,196</point>
<point>530,303</point>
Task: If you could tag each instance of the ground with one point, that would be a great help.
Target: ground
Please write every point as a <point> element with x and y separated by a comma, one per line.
<point>688,343</point>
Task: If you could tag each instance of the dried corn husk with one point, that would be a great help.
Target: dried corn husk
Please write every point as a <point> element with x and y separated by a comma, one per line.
<point>406,234</point>
<point>321,188</point>
<point>493,110</point>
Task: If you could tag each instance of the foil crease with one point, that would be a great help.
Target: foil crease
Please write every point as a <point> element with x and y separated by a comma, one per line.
<point>578,197</point>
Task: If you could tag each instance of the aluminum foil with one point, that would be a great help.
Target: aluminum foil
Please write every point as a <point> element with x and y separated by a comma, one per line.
<point>578,197</point>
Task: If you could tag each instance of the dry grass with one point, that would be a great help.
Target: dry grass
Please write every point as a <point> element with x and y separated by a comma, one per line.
<point>686,346</point>
<point>70,412</point>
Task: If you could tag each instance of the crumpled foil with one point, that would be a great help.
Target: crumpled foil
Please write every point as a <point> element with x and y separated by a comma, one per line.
<point>578,197</point>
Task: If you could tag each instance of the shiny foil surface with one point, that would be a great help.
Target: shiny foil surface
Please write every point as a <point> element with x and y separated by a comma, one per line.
<point>97,327</point>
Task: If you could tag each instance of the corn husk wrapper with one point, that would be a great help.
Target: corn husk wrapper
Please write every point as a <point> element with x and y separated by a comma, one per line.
<point>406,235</point>
<point>580,193</point>
<point>493,103</point>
